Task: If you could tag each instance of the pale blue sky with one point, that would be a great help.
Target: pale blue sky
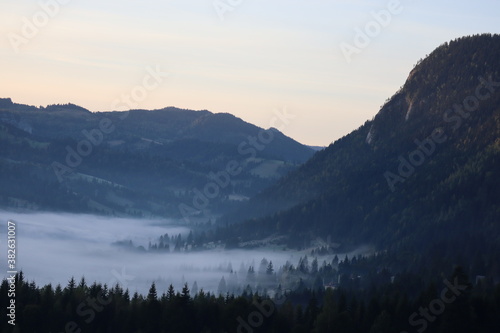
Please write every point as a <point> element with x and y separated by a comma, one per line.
<point>265,55</point>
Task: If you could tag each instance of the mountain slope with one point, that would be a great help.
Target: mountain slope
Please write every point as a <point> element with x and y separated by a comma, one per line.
<point>137,162</point>
<point>424,169</point>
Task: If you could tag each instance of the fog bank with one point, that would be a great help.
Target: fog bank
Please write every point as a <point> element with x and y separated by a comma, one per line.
<point>52,248</point>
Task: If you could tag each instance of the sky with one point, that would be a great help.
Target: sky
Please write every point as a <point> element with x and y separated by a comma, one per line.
<point>329,64</point>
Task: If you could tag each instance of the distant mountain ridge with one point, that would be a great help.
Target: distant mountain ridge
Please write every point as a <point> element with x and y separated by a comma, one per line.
<point>164,124</point>
<point>159,155</point>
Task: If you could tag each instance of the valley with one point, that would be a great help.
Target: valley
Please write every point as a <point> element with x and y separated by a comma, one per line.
<point>173,213</point>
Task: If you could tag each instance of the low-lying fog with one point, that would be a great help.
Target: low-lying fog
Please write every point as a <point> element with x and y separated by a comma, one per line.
<point>51,248</point>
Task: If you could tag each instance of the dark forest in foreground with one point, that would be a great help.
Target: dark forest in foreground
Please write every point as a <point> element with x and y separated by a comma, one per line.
<point>373,294</point>
<point>453,305</point>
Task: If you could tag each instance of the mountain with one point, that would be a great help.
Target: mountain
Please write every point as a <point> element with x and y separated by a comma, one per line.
<point>424,173</point>
<point>138,162</point>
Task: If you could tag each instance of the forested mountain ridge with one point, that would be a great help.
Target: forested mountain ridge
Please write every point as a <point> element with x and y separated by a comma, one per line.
<point>423,171</point>
<point>138,162</point>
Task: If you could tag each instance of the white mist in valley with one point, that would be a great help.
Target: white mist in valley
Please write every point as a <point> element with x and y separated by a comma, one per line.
<point>53,247</point>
